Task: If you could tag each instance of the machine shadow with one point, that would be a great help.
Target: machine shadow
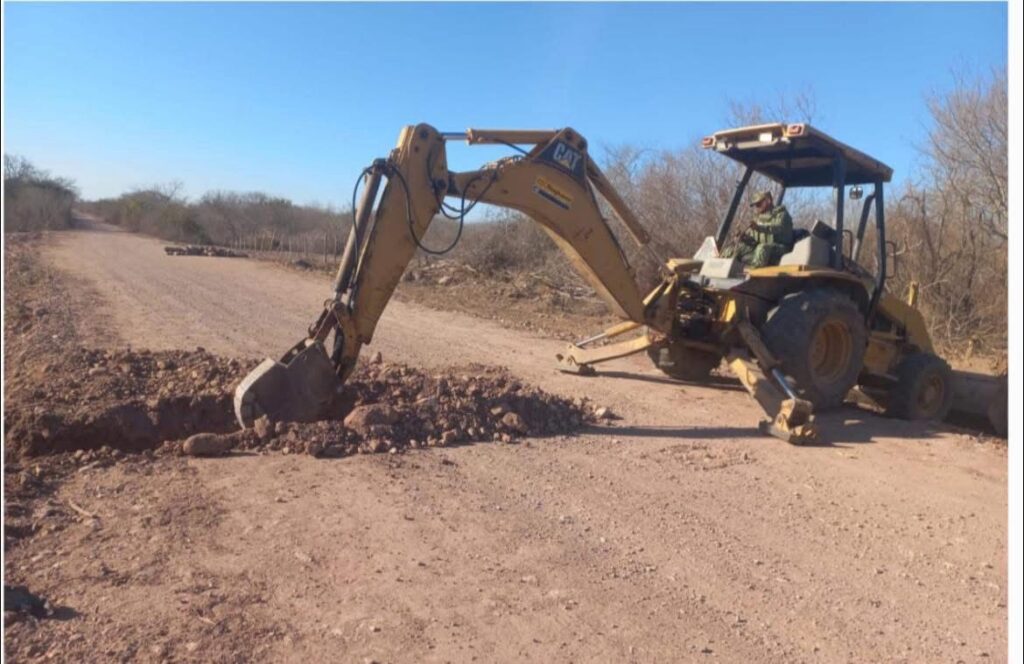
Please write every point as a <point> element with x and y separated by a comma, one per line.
<point>696,432</point>
<point>848,425</point>
<point>855,425</point>
<point>715,382</point>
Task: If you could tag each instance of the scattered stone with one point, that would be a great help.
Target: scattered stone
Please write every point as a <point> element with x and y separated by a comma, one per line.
<point>363,417</point>
<point>514,422</point>
<point>207,444</point>
<point>264,428</point>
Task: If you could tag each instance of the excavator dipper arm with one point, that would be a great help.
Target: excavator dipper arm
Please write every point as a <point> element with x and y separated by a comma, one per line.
<point>554,183</point>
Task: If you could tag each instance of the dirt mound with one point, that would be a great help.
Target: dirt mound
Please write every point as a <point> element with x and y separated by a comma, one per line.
<point>390,408</point>
<point>97,402</point>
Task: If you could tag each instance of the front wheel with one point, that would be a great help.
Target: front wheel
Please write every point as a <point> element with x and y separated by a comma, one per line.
<point>683,362</point>
<point>923,389</point>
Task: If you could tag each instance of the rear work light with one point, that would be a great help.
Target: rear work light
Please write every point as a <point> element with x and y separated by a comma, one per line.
<point>707,141</point>
<point>795,130</point>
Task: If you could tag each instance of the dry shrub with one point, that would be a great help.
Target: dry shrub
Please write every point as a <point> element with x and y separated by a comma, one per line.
<point>34,200</point>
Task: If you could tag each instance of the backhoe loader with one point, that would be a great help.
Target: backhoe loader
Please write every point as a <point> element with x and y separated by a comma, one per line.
<point>798,335</point>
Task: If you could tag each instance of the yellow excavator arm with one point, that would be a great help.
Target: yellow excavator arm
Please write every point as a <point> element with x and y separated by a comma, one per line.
<point>555,182</point>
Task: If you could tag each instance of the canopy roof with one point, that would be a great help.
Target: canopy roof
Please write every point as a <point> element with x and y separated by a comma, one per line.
<point>795,155</point>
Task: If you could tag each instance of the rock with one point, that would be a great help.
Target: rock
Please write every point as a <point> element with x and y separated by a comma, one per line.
<point>377,358</point>
<point>207,444</point>
<point>426,402</point>
<point>445,280</point>
<point>605,413</point>
<point>363,417</point>
<point>449,437</point>
<point>514,422</point>
<point>264,428</point>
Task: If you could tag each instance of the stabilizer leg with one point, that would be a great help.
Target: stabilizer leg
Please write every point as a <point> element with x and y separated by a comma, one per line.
<point>580,360</point>
<point>792,417</point>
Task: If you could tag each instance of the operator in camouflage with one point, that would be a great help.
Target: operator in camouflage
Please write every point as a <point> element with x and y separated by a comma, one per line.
<point>769,236</point>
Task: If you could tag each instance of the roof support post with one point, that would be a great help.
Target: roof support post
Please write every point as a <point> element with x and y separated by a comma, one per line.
<point>839,196</point>
<point>737,196</point>
<point>861,227</point>
<point>881,275</point>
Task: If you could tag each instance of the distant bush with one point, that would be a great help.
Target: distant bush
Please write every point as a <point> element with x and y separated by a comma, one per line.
<point>251,221</point>
<point>34,200</point>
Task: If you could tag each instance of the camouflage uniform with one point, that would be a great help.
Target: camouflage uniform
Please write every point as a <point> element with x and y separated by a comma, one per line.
<point>768,238</point>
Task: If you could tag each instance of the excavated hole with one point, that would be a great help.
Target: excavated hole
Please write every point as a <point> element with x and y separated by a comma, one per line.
<point>130,401</point>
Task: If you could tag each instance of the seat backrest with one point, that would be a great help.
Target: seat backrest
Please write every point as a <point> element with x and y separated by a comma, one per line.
<point>823,230</point>
<point>812,250</point>
<point>721,268</point>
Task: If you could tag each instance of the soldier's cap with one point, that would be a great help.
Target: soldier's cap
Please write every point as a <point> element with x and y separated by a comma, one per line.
<point>760,196</point>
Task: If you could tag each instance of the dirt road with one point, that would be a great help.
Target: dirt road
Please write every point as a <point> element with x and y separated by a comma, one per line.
<point>680,534</point>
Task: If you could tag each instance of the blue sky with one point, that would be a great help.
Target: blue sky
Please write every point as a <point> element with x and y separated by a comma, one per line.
<point>294,99</point>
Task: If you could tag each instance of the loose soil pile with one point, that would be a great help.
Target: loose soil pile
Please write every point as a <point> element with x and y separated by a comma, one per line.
<point>133,401</point>
<point>395,407</point>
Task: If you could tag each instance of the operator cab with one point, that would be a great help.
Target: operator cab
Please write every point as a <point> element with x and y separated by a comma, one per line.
<point>798,155</point>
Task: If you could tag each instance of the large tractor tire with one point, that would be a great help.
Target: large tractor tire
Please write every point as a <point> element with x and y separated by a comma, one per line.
<point>683,362</point>
<point>819,338</point>
<point>923,389</point>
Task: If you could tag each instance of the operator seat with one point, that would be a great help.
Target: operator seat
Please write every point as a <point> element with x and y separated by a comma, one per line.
<point>811,248</point>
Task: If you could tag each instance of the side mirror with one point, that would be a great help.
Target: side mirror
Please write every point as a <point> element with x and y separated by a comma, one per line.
<point>892,260</point>
<point>856,192</point>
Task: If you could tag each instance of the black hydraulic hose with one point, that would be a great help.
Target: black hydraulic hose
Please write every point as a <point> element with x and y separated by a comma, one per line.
<point>463,211</point>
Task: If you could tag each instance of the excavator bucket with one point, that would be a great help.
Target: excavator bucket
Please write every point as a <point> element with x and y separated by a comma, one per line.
<point>302,387</point>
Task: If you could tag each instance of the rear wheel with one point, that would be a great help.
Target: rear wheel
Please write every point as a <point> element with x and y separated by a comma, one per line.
<point>923,389</point>
<point>819,337</point>
<point>684,362</point>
